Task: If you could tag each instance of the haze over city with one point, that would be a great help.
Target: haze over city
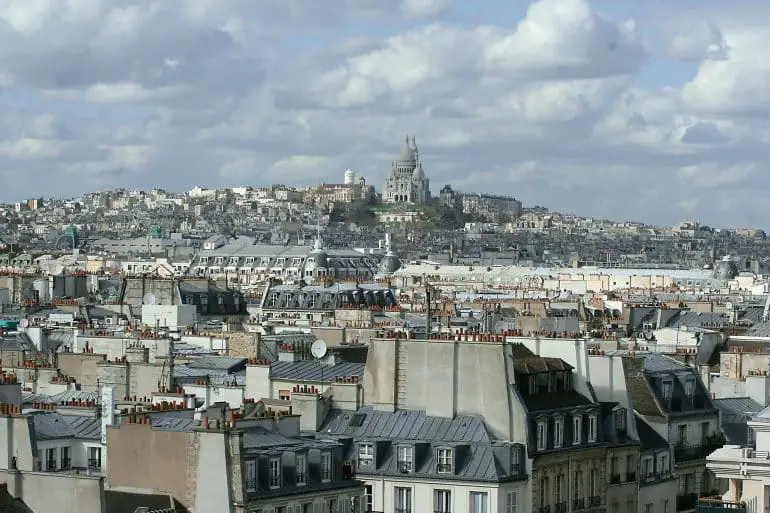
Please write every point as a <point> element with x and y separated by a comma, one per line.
<point>642,110</point>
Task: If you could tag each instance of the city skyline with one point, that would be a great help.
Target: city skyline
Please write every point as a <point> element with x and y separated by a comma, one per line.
<point>625,111</point>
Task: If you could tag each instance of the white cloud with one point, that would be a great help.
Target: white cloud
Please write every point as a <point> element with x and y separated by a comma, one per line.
<point>424,8</point>
<point>698,42</point>
<point>714,175</point>
<point>31,148</point>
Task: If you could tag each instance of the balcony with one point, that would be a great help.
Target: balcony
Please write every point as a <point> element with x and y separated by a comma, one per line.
<point>615,479</point>
<point>95,464</point>
<point>686,502</point>
<point>719,505</point>
<point>544,509</point>
<point>594,501</point>
<point>630,476</point>
<point>690,452</point>
<point>560,507</point>
<point>578,504</point>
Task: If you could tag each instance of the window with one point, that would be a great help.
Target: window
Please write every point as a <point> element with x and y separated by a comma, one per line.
<point>647,468</point>
<point>365,455</point>
<point>403,500</point>
<point>543,491</point>
<point>326,466</point>
<point>511,502</point>
<point>558,488</point>
<point>368,499</point>
<point>444,465</point>
<point>442,501</point>
<point>577,430</point>
<point>682,429</point>
<point>479,502</point>
<point>666,387</point>
<point>275,472</point>
<point>50,459</point>
<point>301,469</point>
<point>405,459</point>
<point>577,485</point>
<point>65,458</point>
<point>284,395</point>
<point>251,476</point>
<point>593,483</point>
<point>620,420</point>
<point>95,458</point>
<point>591,428</point>
<point>663,465</point>
<point>689,388</point>
<point>558,430</point>
<point>542,435</point>
<point>648,508</point>
<point>516,460</point>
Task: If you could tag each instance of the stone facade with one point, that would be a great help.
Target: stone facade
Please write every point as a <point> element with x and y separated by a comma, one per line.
<point>406,183</point>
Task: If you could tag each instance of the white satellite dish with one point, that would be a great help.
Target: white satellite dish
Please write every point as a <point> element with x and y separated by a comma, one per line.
<point>318,349</point>
<point>23,323</point>
<point>148,299</point>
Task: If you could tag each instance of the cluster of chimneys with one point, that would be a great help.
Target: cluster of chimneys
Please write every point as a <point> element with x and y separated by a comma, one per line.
<point>257,361</point>
<point>550,334</point>
<point>595,351</point>
<point>468,337</point>
<point>201,382</point>
<point>347,379</point>
<point>286,348</point>
<point>80,403</point>
<point>30,364</point>
<point>143,419</point>
<point>134,398</point>
<point>305,389</point>
<point>7,378</point>
<point>161,406</point>
<point>122,359</point>
<point>88,349</point>
<point>43,406</point>
<point>10,409</point>
<point>64,380</point>
<point>177,390</point>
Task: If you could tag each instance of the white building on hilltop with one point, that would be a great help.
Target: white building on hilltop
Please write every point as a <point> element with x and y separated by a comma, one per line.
<point>406,183</point>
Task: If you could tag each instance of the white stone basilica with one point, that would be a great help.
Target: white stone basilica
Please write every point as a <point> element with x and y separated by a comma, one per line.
<point>406,183</point>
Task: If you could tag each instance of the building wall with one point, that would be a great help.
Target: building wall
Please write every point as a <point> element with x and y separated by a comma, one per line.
<point>740,365</point>
<point>442,378</point>
<point>422,492</point>
<point>136,451</point>
<point>62,493</point>
<point>72,364</point>
<point>661,495</point>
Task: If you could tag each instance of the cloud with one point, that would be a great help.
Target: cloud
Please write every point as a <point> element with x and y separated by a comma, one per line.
<point>424,8</point>
<point>699,42</point>
<point>569,106</point>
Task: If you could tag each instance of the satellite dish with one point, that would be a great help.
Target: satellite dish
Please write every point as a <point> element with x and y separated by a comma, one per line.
<point>148,299</point>
<point>318,349</point>
<point>23,323</point>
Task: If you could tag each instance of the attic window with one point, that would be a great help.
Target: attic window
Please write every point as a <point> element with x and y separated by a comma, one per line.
<point>357,420</point>
<point>620,420</point>
<point>689,388</point>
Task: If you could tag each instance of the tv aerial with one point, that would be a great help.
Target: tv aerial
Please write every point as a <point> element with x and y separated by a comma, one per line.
<point>318,349</point>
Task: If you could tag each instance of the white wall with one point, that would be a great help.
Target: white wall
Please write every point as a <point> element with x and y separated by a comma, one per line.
<point>383,491</point>
<point>169,316</point>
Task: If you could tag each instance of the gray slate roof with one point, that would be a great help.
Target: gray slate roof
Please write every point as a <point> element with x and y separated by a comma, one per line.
<point>480,458</point>
<point>51,425</point>
<point>311,370</point>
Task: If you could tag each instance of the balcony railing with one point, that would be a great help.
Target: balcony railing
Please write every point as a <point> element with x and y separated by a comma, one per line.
<point>65,463</point>
<point>544,509</point>
<point>719,505</point>
<point>630,476</point>
<point>690,452</point>
<point>615,479</point>
<point>578,504</point>
<point>686,502</point>
<point>561,507</point>
<point>444,468</point>
<point>94,464</point>
<point>594,501</point>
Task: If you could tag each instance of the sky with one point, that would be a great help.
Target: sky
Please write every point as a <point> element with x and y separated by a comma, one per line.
<point>647,110</point>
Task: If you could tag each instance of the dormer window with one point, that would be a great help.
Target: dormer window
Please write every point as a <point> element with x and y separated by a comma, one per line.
<point>516,460</point>
<point>620,420</point>
<point>365,455</point>
<point>689,388</point>
<point>592,429</point>
<point>275,472</point>
<point>219,260</point>
<point>666,388</point>
<point>542,435</point>
<point>405,459</point>
<point>577,430</point>
<point>233,260</point>
<point>444,461</point>
<point>251,476</point>
<point>558,432</point>
<point>326,466</point>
